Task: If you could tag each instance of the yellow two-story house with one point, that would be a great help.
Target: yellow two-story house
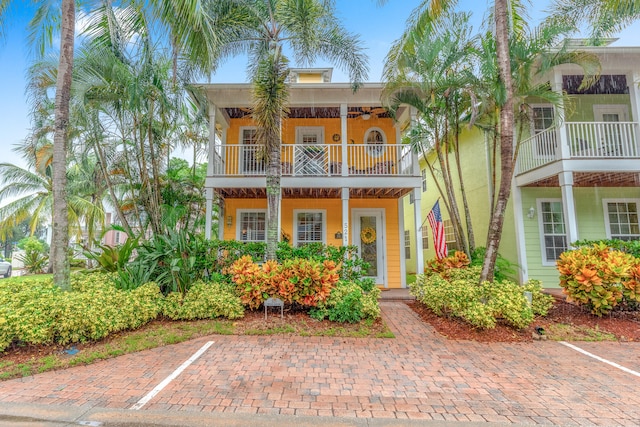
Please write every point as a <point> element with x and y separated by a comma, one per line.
<point>344,170</point>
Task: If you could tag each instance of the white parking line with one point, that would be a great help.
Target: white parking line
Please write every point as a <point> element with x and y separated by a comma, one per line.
<point>171,377</point>
<point>608,362</point>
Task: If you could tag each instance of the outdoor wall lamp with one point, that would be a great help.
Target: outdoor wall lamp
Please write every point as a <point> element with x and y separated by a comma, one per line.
<point>531,213</point>
<point>338,235</point>
<point>229,220</point>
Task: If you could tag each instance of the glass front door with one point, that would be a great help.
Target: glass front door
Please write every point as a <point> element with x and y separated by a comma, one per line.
<point>369,238</point>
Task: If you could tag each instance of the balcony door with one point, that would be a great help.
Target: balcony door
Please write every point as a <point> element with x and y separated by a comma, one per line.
<point>369,237</point>
<point>611,137</point>
<point>309,151</point>
<point>251,159</point>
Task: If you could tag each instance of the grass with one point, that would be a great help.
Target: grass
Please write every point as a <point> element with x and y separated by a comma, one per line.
<point>564,332</point>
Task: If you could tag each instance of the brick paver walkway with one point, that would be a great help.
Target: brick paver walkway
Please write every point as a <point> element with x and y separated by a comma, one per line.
<point>417,375</point>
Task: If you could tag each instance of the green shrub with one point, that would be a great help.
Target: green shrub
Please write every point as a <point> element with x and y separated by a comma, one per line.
<point>631,247</point>
<point>37,312</point>
<point>480,305</point>
<point>503,270</point>
<point>203,301</point>
<point>541,303</point>
<point>348,302</point>
<point>34,258</point>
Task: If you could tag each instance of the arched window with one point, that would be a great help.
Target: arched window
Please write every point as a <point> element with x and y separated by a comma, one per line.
<point>375,139</point>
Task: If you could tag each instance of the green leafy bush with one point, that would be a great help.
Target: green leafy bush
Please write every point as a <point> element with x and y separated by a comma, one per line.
<point>34,258</point>
<point>503,270</point>
<point>459,295</point>
<point>541,303</point>
<point>203,301</point>
<point>37,312</point>
<point>348,302</point>
<point>631,247</point>
<point>600,278</point>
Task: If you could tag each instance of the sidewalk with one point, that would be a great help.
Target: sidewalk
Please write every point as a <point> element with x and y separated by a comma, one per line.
<point>416,376</point>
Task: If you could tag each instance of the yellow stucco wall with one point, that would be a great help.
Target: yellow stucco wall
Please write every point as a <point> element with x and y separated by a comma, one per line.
<point>333,210</point>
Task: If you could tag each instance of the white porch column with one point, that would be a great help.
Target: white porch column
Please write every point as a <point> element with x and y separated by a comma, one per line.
<point>568,206</point>
<point>563,150</point>
<point>414,155</point>
<point>403,259</point>
<point>345,216</point>
<point>634,95</point>
<point>417,216</point>
<point>211,158</point>
<point>343,134</point>
<point>516,195</point>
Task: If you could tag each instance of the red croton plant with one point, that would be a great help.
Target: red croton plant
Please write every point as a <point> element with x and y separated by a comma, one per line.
<point>600,277</point>
<point>301,281</point>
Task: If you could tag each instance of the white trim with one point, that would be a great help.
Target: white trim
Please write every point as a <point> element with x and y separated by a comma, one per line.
<point>383,273</point>
<point>294,238</point>
<point>541,234</point>
<point>605,211</point>
<point>403,260</point>
<point>239,213</point>
<point>600,109</point>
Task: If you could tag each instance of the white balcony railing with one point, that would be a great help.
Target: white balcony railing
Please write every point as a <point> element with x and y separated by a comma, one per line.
<point>300,160</point>
<point>585,140</point>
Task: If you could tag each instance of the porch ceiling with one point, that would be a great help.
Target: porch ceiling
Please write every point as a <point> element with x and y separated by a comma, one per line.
<point>314,193</point>
<point>594,179</point>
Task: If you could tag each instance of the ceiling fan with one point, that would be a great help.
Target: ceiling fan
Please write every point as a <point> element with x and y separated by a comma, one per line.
<point>366,112</point>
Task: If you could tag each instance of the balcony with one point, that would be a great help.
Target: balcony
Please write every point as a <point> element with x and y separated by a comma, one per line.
<point>579,147</point>
<point>317,160</point>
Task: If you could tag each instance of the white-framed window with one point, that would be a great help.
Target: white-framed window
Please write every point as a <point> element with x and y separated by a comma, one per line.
<point>621,218</point>
<point>251,159</point>
<point>309,135</point>
<point>542,116</point>
<point>553,232</point>
<point>407,244</point>
<point>425,237</point>
<point>450,235</point>
<point>117,239</point>
<point>252,225</point>
<point>374,139</point>
<point>424,180</point>
<point>309,226</point>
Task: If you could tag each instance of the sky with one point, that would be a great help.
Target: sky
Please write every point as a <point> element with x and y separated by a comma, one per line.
<point>378,27</point>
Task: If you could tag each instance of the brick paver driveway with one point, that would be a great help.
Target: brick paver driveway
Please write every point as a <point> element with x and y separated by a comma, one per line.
<point>417,375</point>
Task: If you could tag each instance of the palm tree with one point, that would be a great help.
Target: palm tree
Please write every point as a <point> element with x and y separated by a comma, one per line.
<point>604,17</point>
<point>262,29</point>
<point>429,69</point>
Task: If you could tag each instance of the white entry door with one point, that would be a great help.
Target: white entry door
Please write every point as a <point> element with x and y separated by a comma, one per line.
<point>369,237</point>
<point>612,137</point>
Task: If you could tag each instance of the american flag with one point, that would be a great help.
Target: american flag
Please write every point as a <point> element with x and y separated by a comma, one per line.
<point>437,228</point>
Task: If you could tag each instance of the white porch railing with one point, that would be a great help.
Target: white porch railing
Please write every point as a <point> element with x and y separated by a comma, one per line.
<point>316,160</point>
<point>586,140</point>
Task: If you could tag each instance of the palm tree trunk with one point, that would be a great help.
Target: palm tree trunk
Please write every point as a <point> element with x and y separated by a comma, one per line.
<point>463,191</point>
<point>60,238</point>
<point>506,141</point>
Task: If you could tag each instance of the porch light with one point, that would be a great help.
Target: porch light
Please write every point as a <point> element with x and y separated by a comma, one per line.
<point>229,220</point>
<point>531,213</point>
<point>365,116</point>
<point>338,235</point>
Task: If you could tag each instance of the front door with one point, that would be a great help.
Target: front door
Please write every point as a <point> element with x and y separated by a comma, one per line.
<point>368,236</point>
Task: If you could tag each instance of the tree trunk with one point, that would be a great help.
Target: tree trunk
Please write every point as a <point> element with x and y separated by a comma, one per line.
<point>506,142</point>
<point>60,238</point>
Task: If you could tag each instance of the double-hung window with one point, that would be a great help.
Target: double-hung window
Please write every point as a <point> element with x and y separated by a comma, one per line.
<point>621,218</point>
<point>553,230</point>
<point>309,227</point>
<point>252,226</point>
